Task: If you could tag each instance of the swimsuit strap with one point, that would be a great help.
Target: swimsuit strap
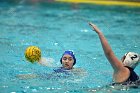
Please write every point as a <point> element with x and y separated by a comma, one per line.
<point>133,76</point>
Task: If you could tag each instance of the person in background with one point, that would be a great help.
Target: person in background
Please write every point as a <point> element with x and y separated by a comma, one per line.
<point>68,60</point>
<point>123,69</point>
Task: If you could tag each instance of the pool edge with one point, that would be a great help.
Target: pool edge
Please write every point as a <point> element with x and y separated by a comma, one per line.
<point>103,2</point>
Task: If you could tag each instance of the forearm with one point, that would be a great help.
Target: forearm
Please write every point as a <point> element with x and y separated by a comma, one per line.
<point>106,47</point>
<point>109,52</point>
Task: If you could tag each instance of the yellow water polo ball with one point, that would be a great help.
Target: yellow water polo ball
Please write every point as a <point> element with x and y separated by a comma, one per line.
<point>32,54</point>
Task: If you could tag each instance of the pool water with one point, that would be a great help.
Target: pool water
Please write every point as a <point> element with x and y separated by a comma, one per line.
<point>56,27</point>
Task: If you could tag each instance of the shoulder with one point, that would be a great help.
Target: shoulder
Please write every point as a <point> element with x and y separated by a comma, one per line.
<point>121,75</point>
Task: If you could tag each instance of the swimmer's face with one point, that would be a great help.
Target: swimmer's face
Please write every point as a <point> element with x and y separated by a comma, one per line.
<point>67,61</point>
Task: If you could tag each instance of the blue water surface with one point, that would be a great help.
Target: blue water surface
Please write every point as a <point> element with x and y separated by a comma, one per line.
<point>56,27</point>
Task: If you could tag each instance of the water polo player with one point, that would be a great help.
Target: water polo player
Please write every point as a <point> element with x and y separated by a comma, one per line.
<point>123,69</point>
<point>68,59</point>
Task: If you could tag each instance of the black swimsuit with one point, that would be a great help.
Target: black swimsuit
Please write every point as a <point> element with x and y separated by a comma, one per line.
<point>132,78</point>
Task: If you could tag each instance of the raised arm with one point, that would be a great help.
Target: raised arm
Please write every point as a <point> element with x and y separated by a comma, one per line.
<point>114,61</point>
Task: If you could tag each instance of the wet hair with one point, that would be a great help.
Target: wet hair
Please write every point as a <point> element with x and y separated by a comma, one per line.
<point>69,52</point>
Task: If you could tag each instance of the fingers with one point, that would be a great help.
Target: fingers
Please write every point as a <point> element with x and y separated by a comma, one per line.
<point>91,24</point>
<point>95,28</point>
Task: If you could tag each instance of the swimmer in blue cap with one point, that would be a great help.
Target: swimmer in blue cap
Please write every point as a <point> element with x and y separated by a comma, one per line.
<point>123,69</point>
<point>68,60</point>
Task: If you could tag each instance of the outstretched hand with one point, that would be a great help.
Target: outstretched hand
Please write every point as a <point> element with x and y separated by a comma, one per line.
<point>95,28</point>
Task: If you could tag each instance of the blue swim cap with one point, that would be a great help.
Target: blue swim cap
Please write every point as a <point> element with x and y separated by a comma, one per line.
<point>69,52</point>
